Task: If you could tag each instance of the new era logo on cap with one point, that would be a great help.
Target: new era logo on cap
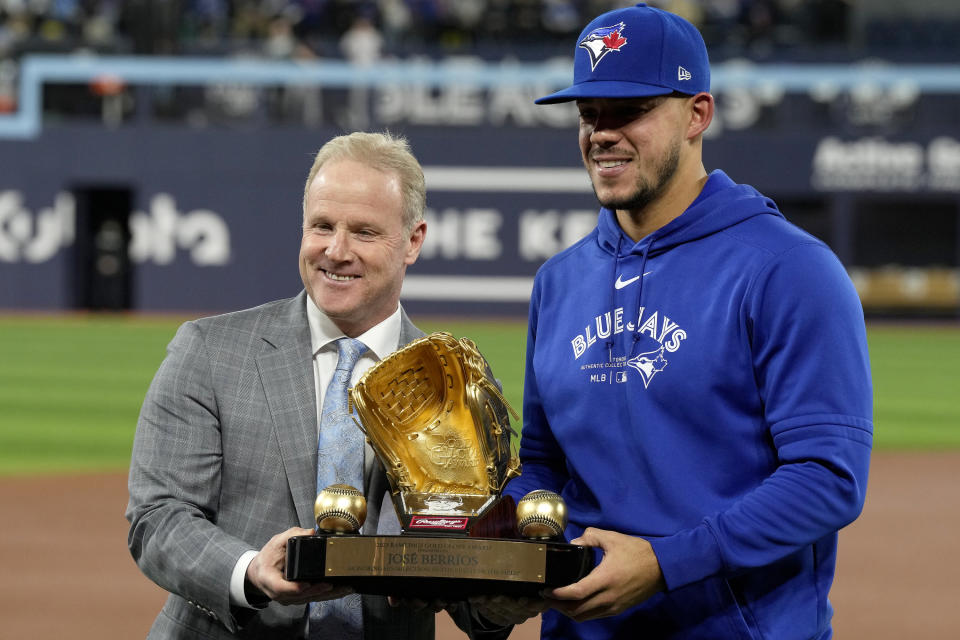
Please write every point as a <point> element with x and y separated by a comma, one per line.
<point>683,74</point>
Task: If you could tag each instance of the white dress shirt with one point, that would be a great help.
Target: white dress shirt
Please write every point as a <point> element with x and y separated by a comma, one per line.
<point>381,340</point>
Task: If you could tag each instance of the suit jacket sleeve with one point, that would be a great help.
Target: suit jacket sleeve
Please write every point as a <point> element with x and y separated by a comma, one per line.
<point>175,480</point>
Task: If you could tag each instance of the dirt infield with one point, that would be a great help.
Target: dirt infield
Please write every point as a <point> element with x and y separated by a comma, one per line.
<point>65,571</point>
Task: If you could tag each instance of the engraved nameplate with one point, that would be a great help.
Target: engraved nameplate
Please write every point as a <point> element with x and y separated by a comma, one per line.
<point>434,557</point>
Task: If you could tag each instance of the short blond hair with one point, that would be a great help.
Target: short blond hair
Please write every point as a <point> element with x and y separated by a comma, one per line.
<point>384,152</point>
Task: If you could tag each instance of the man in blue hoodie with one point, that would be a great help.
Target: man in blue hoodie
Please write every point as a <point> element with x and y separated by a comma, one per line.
<point>697,379</point>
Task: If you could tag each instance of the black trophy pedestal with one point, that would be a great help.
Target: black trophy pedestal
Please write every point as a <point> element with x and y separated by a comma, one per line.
<point>436,567</point>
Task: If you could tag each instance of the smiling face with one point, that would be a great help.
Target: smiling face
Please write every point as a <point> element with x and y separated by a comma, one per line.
<point>631,148</point>
<point>354,251</point>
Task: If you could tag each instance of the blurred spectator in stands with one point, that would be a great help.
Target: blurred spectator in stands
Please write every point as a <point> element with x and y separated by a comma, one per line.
<point>302,103</point>
<point>491,28</point>
<point>396,20</point>
<point>11,32</point>
<point>280,43</point>
<point>8,76</point>
<point>98,28</point>
<point>362,46</point>
<point>340,14</point>
<point>760,19</point>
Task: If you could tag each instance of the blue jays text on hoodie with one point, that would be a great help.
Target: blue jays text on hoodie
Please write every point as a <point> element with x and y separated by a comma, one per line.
<point>707,388</point>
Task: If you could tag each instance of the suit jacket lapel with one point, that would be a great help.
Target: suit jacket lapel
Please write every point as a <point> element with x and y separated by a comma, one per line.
<point>408,331</point>
<point>286,372</point>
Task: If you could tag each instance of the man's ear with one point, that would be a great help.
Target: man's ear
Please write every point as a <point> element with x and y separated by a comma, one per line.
<point>701,114</point>
<point>416,238</point>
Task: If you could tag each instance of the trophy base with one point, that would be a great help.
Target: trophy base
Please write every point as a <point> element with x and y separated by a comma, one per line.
<point>436,567</point>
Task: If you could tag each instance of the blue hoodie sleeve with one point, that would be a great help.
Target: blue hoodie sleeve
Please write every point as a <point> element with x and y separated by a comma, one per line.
<point>808,344</point>
<point>544,464</point>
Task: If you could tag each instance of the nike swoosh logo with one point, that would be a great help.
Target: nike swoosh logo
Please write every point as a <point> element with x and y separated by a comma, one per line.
<point>621,283</point>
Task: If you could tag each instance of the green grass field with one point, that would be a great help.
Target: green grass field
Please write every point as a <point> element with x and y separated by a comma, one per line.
<point>71,386</point>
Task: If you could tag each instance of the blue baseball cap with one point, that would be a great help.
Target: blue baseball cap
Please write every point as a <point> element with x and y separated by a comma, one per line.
<point>636,52</point>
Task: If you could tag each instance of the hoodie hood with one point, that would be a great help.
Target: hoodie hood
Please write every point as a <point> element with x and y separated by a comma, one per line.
<point>721,204</point>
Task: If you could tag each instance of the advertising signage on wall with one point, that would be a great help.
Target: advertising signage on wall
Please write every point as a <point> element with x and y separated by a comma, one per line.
<point>213,237</point>
<point>878,164</point>
<point>209,234</point>
<point>213,221</point>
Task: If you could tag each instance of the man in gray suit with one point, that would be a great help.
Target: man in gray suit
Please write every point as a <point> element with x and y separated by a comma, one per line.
<point>224,465</point>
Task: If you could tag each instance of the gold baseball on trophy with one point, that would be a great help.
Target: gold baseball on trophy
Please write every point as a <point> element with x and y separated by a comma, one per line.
<point>541,514</point>
<point>340,509</point>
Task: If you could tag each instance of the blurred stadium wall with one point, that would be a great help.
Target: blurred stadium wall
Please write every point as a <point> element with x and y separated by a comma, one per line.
<point>159,172</point>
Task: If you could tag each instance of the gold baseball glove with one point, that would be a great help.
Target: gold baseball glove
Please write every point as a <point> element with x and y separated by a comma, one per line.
<point>435,416</point>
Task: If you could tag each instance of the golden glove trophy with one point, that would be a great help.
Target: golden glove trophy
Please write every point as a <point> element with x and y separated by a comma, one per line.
<point>435,417</point>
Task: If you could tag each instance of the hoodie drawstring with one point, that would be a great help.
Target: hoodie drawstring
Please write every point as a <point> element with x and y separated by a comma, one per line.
<point>643,269</point>
<point>613,294</point>
<point>617,263</point>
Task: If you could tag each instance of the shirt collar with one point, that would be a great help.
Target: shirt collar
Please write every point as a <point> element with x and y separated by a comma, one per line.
<point>381,339</point>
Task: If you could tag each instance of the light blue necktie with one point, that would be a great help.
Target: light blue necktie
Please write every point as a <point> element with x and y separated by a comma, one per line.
<point>339,460</point>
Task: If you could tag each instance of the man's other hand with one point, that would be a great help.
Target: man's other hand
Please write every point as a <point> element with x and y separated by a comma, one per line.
<point>627,575</point>
<point>265,573</point>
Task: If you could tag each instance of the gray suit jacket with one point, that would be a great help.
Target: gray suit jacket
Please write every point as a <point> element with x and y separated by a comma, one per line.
<point>224,458</point>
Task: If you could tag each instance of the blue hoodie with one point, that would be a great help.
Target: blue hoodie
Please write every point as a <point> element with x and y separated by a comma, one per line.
<point>707,388</point>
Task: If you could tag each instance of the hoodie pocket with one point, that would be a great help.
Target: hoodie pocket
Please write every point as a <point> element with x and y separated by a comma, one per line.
<point>705,610</point>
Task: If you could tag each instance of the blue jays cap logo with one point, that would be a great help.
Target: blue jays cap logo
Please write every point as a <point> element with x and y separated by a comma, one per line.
<point>602,41</point>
